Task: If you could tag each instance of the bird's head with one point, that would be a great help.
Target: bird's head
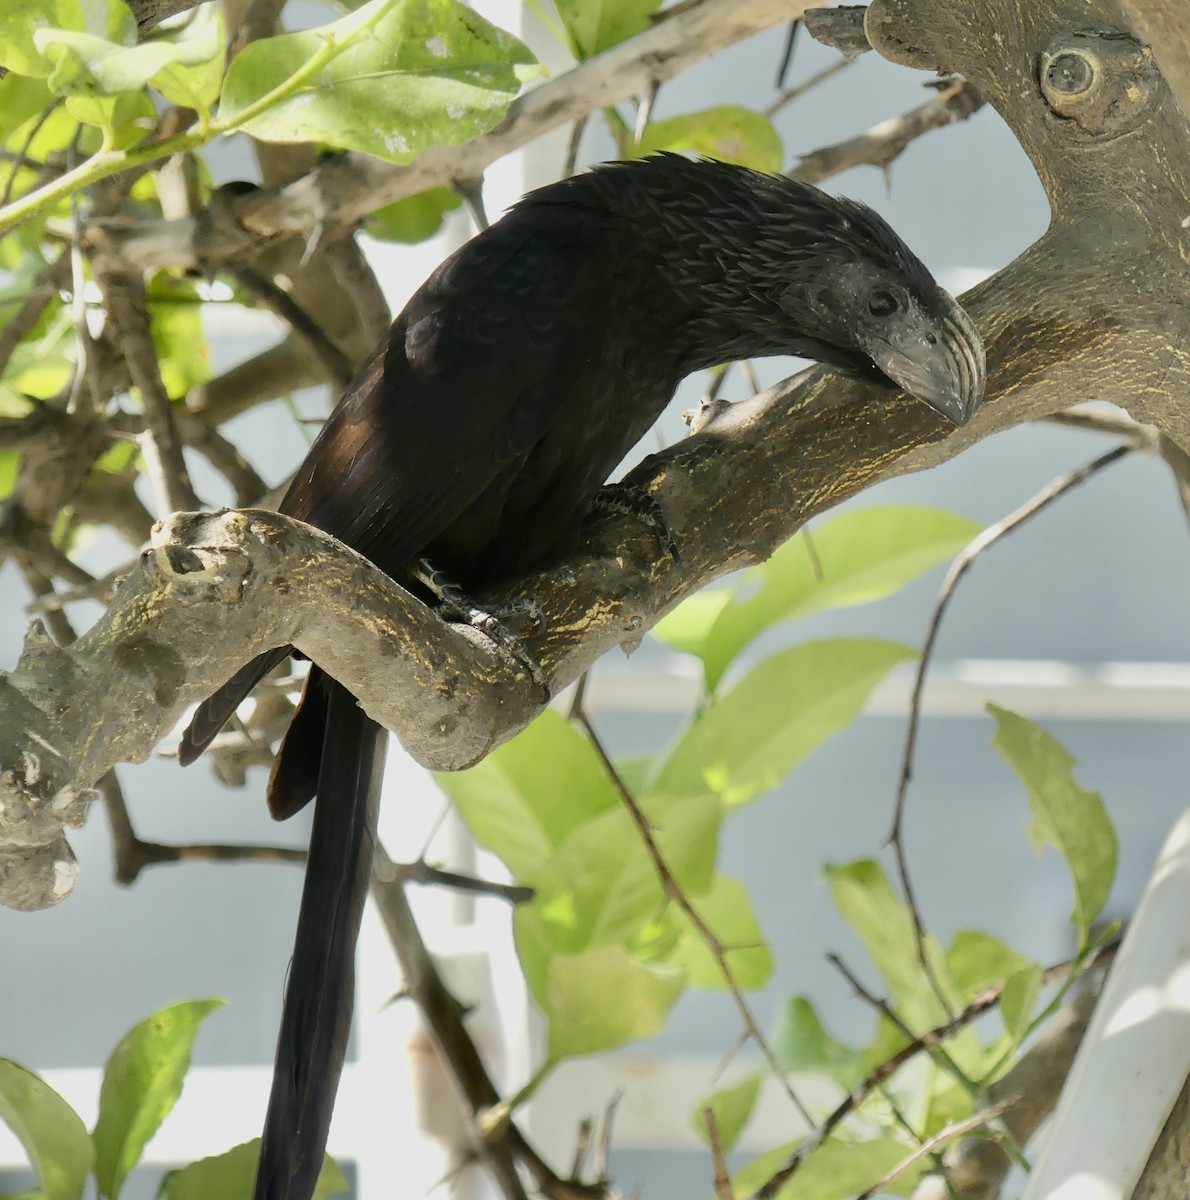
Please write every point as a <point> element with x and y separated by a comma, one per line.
<point>885,311</point>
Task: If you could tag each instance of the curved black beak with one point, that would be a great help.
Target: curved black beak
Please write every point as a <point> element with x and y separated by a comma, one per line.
<point>942,365</point>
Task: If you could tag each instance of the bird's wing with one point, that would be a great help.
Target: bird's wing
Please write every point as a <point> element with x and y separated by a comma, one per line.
<point>472,375</point>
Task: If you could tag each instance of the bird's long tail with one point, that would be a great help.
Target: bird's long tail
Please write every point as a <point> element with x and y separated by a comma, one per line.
<point>316,1019</point>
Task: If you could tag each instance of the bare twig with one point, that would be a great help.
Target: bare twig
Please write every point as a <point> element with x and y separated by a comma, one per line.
<point>40,296</point>
<point>674,891</point>
<point>787,53</point>
<point>572,146</point>
<point>128,309</point>
<point>953,1130</point>
<point>936,1050</point>
<point>423,872</point>
<point>722,1177</point>
<point>962,563</point>
<point>789,95</point>
<point>881,145</point>
<point>355,276</point>
<point>337,365</point>
<point>495,1136</point>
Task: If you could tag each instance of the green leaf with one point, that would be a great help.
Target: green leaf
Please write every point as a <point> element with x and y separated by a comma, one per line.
<point>1067,817</point>
<point>10,470</point>
<point>864,898</point>
<point>229,1177</point>
<point>141,1083</point>
<point>49,1129</point>
<point>732,1108</point>
<point>864,555</point>
<point>429,72</point>
<point>604,998</point>
<point>602,888</point>
<point>415,218</point>
<point>727,910</point>
<point>978,961</point>
<point>25,22</point>
<point>1018,1001</point>
<point>747,742</point>
<point>802,1044</point>
<point>21,99</point>
<point>727,132</point>
<point>837,1170</point>
<point>175,322</point>
<point>522,801</point>
<point>595,25</point>
<point>193,75</point>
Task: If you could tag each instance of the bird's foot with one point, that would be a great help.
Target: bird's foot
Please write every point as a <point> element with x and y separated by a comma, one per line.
<point>493,621</point>
<point>633,502</point>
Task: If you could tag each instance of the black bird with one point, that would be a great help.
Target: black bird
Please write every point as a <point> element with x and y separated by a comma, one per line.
<point>480,430</point>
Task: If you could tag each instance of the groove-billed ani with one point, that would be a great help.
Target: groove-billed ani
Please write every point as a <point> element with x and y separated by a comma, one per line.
<point>479,431</point>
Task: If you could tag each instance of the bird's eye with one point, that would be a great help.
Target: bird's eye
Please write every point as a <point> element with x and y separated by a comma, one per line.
<point>882,303</point>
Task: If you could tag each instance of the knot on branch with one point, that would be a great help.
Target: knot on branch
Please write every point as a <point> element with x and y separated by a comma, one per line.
<point>1102,81</point>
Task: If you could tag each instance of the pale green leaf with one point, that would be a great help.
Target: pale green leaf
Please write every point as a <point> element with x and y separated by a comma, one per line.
<point>801,1043</point>
<point>726,908</point>
<point>837,1170</point>
<point>604,998</point>
<point>49,1129</point>
<point>1018,1001</point>
<point>193,75</point>
<point>1065,816</point>
<point>415,218</point>
<point>24,24</point>
<point>596,25</point>
<point>175,321</point>
<point>229,1177</point>
<point>729,133</point>
<point>862,555</point>
<point>602,887</point>
<point>523,800</point>
<point>141,1083</point>
<point>863,895</point>
<point>747,742</point>
<point>429,72</point>
<point>978,961</point>
<point>732,1108</point>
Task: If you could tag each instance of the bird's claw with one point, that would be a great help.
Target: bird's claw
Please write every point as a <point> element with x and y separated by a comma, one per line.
<point>634,502</point>
<point>455,606</point>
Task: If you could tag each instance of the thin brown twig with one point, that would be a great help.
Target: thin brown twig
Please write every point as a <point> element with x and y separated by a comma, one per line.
<point>883,143</point>
<point>495,1135</point>
<point>674,891</point>
<point>426,873</point>
<point>789,95</point>
<point>978,1005</point>
<point>962,563</point>
<point>949,1133</point>
<point>573,145</point>
<point>721,1177</point>
<point>161,445</point>
<point>52,279</point>
<point>936,1050</point>
<point>337,365</point>
<point>22,154</point>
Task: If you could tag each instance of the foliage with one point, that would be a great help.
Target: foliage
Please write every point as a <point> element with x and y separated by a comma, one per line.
<point>87,98</point>
<point>142,1081</point>
<point>600,923</point>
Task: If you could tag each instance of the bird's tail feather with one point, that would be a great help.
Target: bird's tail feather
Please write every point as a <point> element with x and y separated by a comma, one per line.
<point>316,1019</point>
<point>216,710</point>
